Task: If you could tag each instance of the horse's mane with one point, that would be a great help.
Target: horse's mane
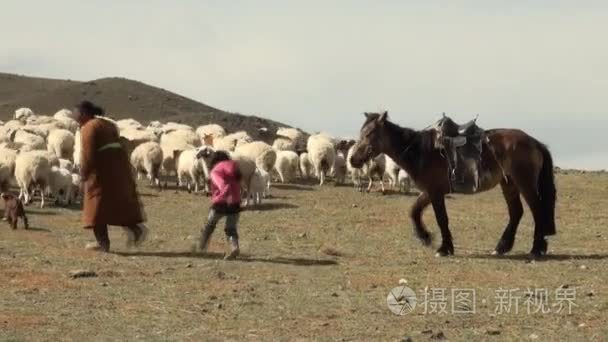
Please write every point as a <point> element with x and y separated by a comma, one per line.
<point>422,140</point>
<point>411,146</point>
<point>418,143</point>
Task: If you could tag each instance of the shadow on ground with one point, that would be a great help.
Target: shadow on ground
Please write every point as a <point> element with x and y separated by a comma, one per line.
<point>242,258</point>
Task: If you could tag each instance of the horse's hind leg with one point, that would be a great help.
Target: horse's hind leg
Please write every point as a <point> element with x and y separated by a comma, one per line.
<point>526,182</point>
<point>416,215</point>
<point>441,215</point>
<point>516,211</point>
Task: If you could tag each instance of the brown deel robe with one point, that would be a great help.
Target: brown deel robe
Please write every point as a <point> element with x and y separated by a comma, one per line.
<point>110,195</point>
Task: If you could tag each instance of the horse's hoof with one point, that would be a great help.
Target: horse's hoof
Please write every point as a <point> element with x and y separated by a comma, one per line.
<point>503,247</point>
<point>445,251</point>
<point>441,254</point>
<point>539,248</point>
<point>535,255</point>
<point>425,238</point>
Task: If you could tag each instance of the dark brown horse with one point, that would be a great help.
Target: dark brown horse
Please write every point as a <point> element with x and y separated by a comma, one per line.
<point>518,162</point>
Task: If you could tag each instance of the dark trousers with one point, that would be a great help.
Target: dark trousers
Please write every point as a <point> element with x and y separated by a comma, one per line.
<point>230,227</point>
<point>102,237</point>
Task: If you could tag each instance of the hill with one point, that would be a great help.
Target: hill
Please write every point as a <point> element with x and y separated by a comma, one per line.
<point>122,98</point>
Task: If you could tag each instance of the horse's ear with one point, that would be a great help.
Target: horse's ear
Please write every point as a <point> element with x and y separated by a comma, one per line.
<point>383,116</point>
<point>366,114</point>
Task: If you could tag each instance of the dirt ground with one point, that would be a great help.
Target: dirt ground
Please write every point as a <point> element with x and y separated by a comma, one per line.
<point>318,264</point>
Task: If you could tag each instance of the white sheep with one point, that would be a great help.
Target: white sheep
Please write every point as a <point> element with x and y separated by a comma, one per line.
<point>404,181</point>
<point>284,144</point>
<point>131,138</point>
<point>129,124</point>
<point>147,158</point>
<point>339,169</point>
<point>76,184</point>
<point>39,120</point>
<point>29,140</point>
<point>77,150</point>
<point>210,132</point>
<point>7,167</point>
<point>61,143</point>
<point>142,135</point>
<point>61,184</point>
<point>374,167</point>
<point>286,165</point>
<point>66,164</point>
<point>13,124</point>
<point>355,173</point>
<point>191,170</point>
<point>43,130</point>
<point>174,126</point>
<point>231,141</point>
<point>155,125</point>
<point>66,118</point>
<point>186,136</point>
<point>306,167</point>
<point>11,146</point>
<point>44,125</point>
<point>263,154</point>
<point>5,134</point>
<point>176,141</point>
<point>258,186</point>
<point>322,155</point>
<point>31,169</point>
<point>241,136</point>
<point>23,113</point>
<point>289,139</point>
<point>63,113</point>
<point>247,166</point>
<point>392,172</point>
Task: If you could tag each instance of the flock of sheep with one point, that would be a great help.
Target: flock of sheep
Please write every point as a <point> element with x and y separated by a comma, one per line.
<point>43,152</point>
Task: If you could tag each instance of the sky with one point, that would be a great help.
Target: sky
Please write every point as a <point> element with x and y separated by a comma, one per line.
<point>541,66</point>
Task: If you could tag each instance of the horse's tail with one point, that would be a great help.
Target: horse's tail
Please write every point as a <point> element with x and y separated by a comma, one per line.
<point>547,191</point>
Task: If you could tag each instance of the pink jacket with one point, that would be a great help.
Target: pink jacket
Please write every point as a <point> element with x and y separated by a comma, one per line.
<point>225,187</point>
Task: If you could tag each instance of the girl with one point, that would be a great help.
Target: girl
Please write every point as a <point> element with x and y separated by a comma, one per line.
<point>225,180</point>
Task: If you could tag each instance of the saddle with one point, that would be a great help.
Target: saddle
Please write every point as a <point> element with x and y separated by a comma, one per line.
<point>462,145</point>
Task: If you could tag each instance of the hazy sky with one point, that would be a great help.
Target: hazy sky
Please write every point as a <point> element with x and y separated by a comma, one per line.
<point>537,65</point>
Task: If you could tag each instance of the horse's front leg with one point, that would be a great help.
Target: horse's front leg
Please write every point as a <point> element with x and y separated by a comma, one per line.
<point>516,211</point>
<point>420,230</point>
<point>441,215</point>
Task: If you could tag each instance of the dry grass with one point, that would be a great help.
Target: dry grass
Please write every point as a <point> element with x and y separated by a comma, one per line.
<point>318,264</point>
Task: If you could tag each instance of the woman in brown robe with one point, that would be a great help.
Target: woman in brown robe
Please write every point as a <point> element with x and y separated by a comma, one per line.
<point>110,194</point>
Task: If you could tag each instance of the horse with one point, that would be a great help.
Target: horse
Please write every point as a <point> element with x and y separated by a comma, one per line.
<point>522,165</point>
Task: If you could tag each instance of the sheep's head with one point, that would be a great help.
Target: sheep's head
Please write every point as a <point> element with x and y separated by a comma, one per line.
<point>22,114</point>
<point>207,139</point>
<point>344,145</point>
<point>204,152</point>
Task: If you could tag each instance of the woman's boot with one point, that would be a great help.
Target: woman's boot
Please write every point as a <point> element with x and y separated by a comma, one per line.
<point>234,249</point>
